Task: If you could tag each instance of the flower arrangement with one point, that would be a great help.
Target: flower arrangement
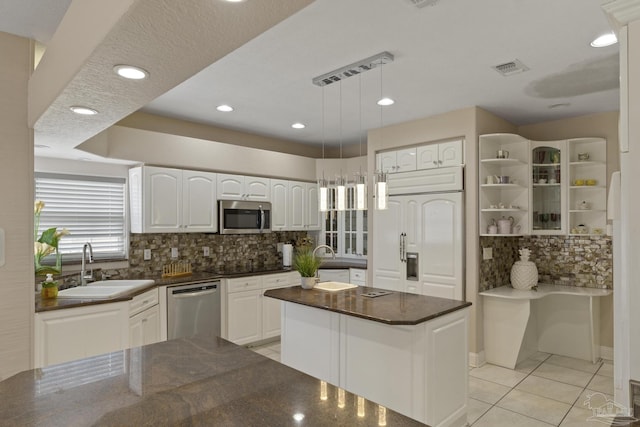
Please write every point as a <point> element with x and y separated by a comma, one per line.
<point>46,244</point>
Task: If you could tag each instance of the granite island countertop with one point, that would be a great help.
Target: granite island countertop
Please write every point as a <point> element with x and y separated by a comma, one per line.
<point>194,382</point>
<point>396,308</point>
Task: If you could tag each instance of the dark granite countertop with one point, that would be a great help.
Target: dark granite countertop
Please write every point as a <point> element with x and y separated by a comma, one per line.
<point>340,263</point>
<point>201,277</point>
<point>396,308</point>
<point>183,382</point>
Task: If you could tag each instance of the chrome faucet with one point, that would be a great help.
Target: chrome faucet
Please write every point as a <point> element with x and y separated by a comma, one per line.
<point>326,247</point>
<point>84,277</point>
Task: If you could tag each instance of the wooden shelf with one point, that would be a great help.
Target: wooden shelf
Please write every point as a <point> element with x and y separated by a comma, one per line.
<point>587,163</point>
<point>502,162</point>
<point>577,187</point>
<point>509,186</point>
<point>557,184</point>
<point>503,210</point>
<point>586,210</point>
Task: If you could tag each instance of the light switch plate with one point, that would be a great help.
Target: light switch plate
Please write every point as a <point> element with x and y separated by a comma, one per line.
<point>147,254</point>
<point>487,253</point>
<point>205,250</point>
<point>174,252</point>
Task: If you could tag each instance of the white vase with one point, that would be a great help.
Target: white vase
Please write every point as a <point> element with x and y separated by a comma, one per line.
<point>307,282</point>
<point>524,275</point>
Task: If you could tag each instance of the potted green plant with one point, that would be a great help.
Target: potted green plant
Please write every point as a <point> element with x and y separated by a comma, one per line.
<point>306,263</point>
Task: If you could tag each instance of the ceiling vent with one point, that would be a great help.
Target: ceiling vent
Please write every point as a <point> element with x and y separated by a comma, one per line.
<point>423,3</point>
<point>510,68</point>
<point>353,69</point>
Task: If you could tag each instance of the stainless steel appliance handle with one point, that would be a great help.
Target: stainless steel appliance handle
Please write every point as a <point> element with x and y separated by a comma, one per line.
<point>401,247</point>
<point>193,294</point>
<point>261,218</point>
<point>404,246</point>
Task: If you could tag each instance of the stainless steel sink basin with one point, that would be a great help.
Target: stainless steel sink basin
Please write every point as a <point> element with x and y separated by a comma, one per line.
<point>104,289</point>
<point>94,292</point>
<point>334,286</point>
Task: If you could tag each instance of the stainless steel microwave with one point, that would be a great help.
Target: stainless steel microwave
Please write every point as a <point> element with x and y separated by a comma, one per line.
<point>244,217</point>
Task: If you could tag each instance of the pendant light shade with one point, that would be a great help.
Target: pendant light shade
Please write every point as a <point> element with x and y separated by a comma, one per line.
<point>360,192</point>
<point>341,193</point>
<point>323,195</point>
<point>381,191</point>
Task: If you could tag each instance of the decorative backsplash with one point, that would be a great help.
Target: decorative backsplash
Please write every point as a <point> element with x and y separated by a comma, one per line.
<point>584,261</point>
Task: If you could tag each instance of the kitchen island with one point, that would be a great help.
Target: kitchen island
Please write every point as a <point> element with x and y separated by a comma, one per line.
<point>408,352</point>
<point>194,382</point>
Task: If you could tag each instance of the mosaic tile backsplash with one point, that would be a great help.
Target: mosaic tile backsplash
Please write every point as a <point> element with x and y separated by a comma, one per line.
<point>584,261</point>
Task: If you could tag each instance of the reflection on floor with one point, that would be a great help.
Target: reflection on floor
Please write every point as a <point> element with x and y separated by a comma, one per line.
<point>545,390</point>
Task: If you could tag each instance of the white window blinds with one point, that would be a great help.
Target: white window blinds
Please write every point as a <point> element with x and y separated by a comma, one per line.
<point>91,208</point>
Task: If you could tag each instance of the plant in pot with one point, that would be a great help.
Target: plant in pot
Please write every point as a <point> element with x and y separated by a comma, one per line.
<point>306,263</point>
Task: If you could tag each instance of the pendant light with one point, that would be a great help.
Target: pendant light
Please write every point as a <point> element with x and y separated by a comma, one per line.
<point>360,188</point>
<point>341,184</point>
<point>381,192</point>
<point>323,187</point>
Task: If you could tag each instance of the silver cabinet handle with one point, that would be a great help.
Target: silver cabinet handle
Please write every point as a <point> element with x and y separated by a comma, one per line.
<point>440,161</point>
<point>401,247</point>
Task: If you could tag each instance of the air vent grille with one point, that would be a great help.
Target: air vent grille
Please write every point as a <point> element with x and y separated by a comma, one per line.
<point>423,3</point>
<point>511,68</point>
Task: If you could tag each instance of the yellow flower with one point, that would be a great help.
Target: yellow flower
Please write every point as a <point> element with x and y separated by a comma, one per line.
<point>37,208</point>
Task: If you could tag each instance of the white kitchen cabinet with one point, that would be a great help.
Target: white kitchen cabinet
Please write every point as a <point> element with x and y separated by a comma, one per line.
<point>144,319</point>
<point>294,205</point>
<point>74,333</point>
<point>358,276</point>
<point>251,317</point>
<point>440,155</point>
<point>279,204</point>
<point>334,275</point>
<point>144,327</point>
<point>165,200</point>
<point>397,161</point>
<point>240,187</point>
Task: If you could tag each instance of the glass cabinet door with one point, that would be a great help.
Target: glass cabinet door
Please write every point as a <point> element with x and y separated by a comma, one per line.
<point>548,176</point>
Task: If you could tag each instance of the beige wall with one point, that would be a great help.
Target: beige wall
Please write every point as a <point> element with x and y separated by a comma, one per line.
<point>16,190</point>
<point>603,125</point>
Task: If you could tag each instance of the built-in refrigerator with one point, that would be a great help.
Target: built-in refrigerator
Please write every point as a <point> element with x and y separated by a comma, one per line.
<point>418,242</point>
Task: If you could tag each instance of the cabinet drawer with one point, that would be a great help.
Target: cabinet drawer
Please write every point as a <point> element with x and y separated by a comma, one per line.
<point>141,302</point>
<point>357,275</point>
<point>244,284</point>
<point>277,280</point>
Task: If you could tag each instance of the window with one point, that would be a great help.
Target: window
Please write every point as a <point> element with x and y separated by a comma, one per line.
<point>346,232</point>
<point>91,208</point>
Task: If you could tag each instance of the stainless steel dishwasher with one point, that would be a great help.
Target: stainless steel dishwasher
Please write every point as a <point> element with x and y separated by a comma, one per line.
<point>193,310</point>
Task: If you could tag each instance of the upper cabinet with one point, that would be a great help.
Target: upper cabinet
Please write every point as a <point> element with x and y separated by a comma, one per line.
<point>165,200</point>
<point>542,187</point>
<point>240,187</point>
<point>294,205</point>
<point>504,181</point>
<point>427,156</point>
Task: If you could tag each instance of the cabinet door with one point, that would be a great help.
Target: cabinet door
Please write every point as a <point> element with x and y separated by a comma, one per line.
<point>440,245</point>
<point>427,156</point>
<point>279,204</point>
<point>230,187</point>
<point>548,204</point>
<point>75,333</point>
<point>257,188</point>
<point>144,327</point>
<point>450,153</point>
<point>406,160</point>
<point>270,317</point>
<point>297,193</point>
<point>244,310</point>
<point>387,162</point>
<point>199,202</point>
<point>312,211</point>
<point>162,200</point>
<point>389,269</point>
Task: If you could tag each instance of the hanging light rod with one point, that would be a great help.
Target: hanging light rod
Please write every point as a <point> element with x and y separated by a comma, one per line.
<point>353,69</point>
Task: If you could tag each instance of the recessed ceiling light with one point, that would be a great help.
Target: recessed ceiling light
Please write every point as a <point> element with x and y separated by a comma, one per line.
<point>85,111</point>
<point>224,108</point>
<point>131,72</point>
<point>385,102</point>
<point>605,40</point>
<point>298,126</point>
<point>41,146</point>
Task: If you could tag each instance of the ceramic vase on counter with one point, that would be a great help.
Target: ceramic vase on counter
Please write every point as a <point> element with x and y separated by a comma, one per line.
<point>524,273</point>
<point>308,282</point>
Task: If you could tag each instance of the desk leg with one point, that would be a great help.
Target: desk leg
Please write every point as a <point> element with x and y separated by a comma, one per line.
<point>507,331</point>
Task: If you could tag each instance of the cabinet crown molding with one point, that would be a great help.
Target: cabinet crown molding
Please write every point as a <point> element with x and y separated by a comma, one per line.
<point>622,11</point>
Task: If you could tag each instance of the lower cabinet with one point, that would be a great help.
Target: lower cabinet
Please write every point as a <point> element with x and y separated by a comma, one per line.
<point>74,333</point>
<point>252,317</point>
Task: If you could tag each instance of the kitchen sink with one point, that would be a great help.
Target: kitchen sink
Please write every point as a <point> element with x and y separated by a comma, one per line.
<point>133,284</point>
<point>334,286</point>
<point>104,289</point>
<point>94,292</point>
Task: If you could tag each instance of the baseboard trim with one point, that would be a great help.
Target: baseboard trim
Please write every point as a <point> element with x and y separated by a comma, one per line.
<point>476,360</point>
<point>606,353</point>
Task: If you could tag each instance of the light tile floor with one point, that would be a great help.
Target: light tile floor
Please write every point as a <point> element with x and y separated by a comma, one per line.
<point>544,390</point>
